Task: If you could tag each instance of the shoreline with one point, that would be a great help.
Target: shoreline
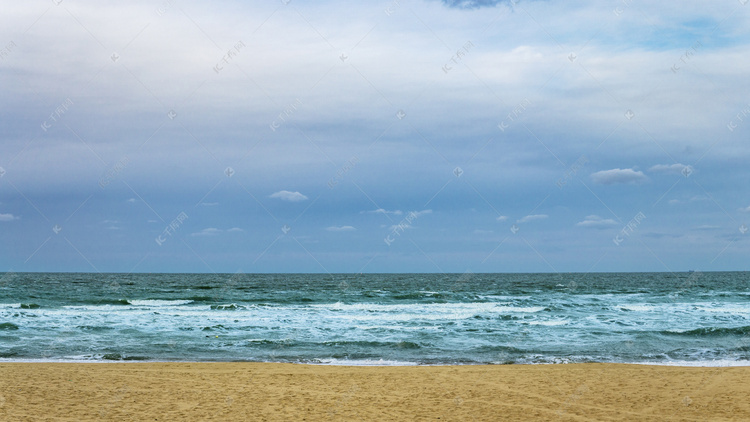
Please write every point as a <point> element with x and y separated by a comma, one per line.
<point>284,391</point>
<point>387,364</point>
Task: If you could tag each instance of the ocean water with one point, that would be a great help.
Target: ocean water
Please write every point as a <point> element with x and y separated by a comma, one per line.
<point>385,319</point>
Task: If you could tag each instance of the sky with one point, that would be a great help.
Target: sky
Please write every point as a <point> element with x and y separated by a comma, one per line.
<point>385,136</point>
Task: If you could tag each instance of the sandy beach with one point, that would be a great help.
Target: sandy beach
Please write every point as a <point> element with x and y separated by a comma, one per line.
<point>275,392</point>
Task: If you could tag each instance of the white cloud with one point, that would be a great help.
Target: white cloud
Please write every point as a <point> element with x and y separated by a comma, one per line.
<point>567,108</point>
<point>420,213</point>
<point>596,222</point>
<point>211,231</point>
<point>670,168</point>
<point>707,227</point>
<point>340,229</point>
<point>532,217</point>
<point>8,217</point>
<point>695,198</point>
<point>615,176</point>
<point>286,195</point>
<point>209,204</point>
<point>478,231</point>
<point>406,222</point>
<point>745,209</point>
<point>131,200</point>
<point>400,226</point>
<point>383,211</point>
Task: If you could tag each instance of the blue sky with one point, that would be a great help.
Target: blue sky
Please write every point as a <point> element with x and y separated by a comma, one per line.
<point>394,136</point>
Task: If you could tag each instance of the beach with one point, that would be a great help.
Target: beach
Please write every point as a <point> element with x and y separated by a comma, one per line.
<point>157,391</point>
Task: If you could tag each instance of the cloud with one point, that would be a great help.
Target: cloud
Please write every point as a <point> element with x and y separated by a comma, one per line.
<point>405,223</point>
<point>618,176</point>
<point>472,4</point>
<point>112,224</point>
<point>382,211</point>
<point>286,195</point>
<point>8,217</point>
<point>478,231</point>
<point>420,213</point>
<point>209,204</point>
<point>340,229</point>
<point>211,231</point>
<point>321,126</point>
<point>532,217</point>
<point>745,209</point>
<point>695,198</point>
<point>671,168</point>
<point>659,235</point>
<point>595,221</point>
<point>707,227</point>
<point>400,226</point>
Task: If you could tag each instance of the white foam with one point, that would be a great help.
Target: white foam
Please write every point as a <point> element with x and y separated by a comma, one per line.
<point>548,323</point>
<point>149,302</point>
<point>726,309</point>
<point>638,307</point>
<point>398,327</point>
<point>700,363</point>
<point>475,307</point>
<point>363,362</point>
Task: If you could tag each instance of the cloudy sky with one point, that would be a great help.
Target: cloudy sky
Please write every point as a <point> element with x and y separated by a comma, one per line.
<point>387,136</point>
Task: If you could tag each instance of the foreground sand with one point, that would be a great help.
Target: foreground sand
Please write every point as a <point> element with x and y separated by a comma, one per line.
<point>260,391</point>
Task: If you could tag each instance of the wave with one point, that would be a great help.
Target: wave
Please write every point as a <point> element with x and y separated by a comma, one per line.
<point>548,323</point>
<point>160,302</point>
<point>362,362</point>
<point>338,344</point>
<point>107,302</point>
<point>94,328</point>
<point>731,309</point>
<point>440,307</point>
<point>202,298</point>
<point>214,327</point>
<point>8,326</point>
<point>710,332</point>
<point>636,308</point>
<point>275,343</point>
<point>227,307</point>
<point>374,344</point>
<point>118,356</point>
<point>419,295</point>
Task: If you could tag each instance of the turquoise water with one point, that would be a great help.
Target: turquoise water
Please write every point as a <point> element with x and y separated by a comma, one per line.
<point>390,319</point>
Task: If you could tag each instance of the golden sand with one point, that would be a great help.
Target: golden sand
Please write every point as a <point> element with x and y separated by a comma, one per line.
<point>288,392</point>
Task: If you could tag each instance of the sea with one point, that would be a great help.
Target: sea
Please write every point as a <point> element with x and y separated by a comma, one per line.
<point>692,318</point>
